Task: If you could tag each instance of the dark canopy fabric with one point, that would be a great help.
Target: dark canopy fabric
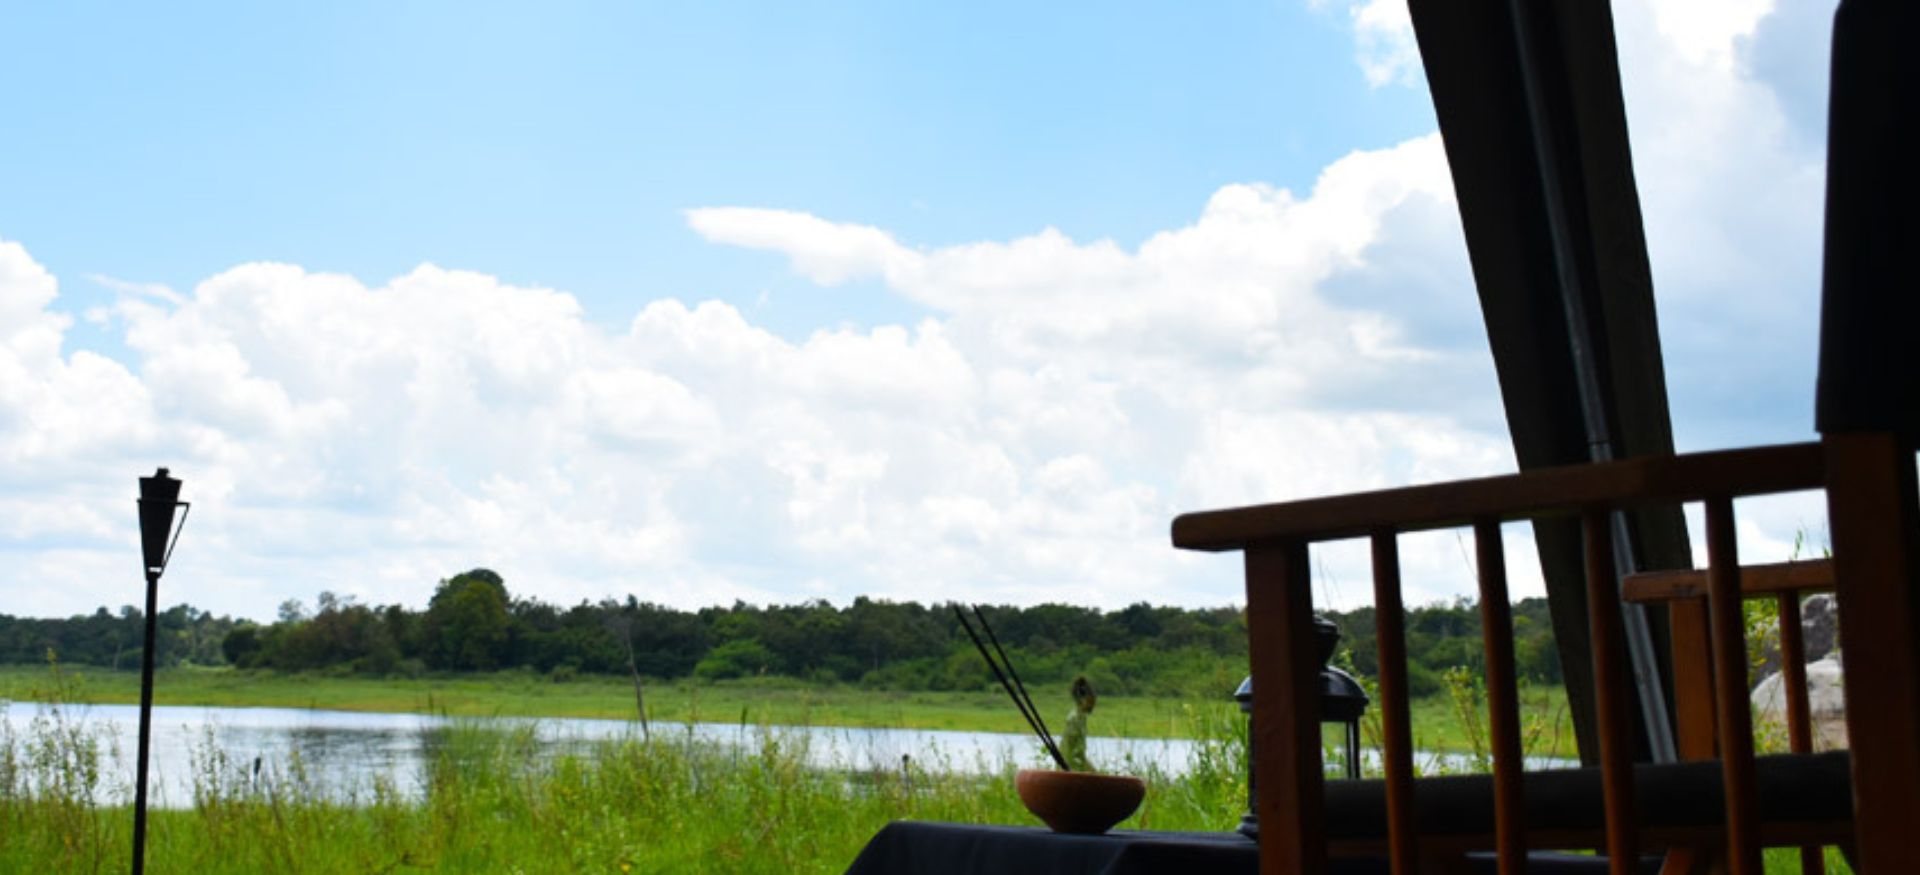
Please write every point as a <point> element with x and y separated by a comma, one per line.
<point>1529,105</point>
<point>1869,355</point>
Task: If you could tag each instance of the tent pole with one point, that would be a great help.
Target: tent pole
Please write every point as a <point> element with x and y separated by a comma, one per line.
<point>1587,372</point>
<point>1580,331</point>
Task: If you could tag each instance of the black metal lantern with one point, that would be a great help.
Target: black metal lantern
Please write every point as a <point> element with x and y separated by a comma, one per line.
<point>1342,700</point>
<point>159,498</point>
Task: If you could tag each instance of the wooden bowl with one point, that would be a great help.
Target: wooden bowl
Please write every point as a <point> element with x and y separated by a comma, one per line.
<point>1079,802</point>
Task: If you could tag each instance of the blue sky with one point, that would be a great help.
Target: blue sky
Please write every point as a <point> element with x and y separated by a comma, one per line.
<point>768,301</point>
<point>558,144</point>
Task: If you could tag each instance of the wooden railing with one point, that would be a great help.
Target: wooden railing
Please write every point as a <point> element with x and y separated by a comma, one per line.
<point>1288,770</point>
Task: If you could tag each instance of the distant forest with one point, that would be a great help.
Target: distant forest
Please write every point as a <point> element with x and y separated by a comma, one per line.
<point>473,623</point>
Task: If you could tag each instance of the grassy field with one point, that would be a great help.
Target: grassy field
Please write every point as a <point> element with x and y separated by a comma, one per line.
<point>1438,723</point>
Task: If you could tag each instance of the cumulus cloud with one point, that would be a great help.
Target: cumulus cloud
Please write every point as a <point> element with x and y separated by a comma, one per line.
<point>1732,185</point>
<point>1030,440</point>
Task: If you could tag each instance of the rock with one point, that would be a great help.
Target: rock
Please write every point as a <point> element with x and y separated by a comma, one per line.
<point>1826,700</point>
<point>1820,625</point>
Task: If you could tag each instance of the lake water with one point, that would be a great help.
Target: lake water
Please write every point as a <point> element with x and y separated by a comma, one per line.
<point>347,751</point>
<point>344,751</point>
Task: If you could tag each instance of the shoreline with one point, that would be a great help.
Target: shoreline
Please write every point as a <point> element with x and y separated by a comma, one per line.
<point>523,694</point>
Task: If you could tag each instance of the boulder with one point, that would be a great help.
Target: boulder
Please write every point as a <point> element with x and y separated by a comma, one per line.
<point>1820,625</point>
<point>1826,700</point>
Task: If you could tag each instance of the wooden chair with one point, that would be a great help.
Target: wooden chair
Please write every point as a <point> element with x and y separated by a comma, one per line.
<point>1869,483</point>
<point>1685,595</point>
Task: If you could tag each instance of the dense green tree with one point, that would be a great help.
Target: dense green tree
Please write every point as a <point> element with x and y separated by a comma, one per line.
<point>467,625</point>
<point>242,645</point>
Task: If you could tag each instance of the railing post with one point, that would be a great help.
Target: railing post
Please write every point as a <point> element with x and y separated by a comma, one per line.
<point>1793,682</point>
<point>1286,711</point>
<point>1503,699</point>
<point>1396,721</point>
<point>1607,630</point>
<point>1730,687</point>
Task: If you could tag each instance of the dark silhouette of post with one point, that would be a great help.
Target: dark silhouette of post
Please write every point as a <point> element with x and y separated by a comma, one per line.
<point>159,495</point>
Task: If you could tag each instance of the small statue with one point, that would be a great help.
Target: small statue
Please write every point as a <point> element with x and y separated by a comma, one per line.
<point>1073,742</point>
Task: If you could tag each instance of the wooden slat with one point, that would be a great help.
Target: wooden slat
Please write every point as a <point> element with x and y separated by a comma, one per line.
<point>1805,576</point>
<point>1503,699</point>
<point>1730,682</point>
<point>1698,730</point>
<point>1871,511</point>
<point>1286,711</point>
<point>1793,677</point>
<point>1547,491</point>
<point>1396,720</point>
<point>1608,633</point>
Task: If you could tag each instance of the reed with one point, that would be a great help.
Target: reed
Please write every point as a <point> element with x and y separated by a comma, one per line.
<point>496,800</point>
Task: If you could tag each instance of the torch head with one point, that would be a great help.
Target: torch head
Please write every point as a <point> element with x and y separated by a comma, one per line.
<point>159,497</point>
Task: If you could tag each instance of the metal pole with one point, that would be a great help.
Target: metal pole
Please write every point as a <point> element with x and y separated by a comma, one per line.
<point>146,725</point>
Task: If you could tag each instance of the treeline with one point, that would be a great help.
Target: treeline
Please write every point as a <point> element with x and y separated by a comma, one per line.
<point>1441,636</point>
<point>473,623</point>
<point>183,634</point>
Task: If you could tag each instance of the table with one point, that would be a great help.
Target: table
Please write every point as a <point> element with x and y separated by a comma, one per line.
<point>924,848</point>
<point>907,846</point>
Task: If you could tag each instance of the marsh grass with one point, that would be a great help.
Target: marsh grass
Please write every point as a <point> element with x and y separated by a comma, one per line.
<point>496,798</point>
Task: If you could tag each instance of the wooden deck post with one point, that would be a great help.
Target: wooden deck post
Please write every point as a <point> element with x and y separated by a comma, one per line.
<point>1872,515</point>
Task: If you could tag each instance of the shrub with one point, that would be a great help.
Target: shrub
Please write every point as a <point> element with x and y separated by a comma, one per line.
<point>741,657</point>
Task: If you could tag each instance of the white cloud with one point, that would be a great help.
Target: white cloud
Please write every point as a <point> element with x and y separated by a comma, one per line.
<point>1705,32</point>
<point>1732,187</point>
<point>1383,31</point>
<point>1384,44</point>
<point>1032,440</point>
<point>832,253</point>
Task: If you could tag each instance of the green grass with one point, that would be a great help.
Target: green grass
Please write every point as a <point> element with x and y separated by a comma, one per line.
<point>492,804</point>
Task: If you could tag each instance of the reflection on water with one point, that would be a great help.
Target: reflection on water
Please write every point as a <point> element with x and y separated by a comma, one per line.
<point>343,753</point>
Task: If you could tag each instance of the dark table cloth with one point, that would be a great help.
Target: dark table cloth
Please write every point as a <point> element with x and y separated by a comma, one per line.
<point>934,848</point>
<point>912,846</point>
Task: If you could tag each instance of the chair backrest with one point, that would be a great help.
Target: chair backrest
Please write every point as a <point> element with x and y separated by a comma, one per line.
<point>1685,595</point>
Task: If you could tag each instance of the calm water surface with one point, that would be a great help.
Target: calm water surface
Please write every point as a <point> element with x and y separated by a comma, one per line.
<point>345,752</point>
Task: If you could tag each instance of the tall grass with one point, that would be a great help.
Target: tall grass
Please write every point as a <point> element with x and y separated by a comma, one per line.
<point>497,799</point>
